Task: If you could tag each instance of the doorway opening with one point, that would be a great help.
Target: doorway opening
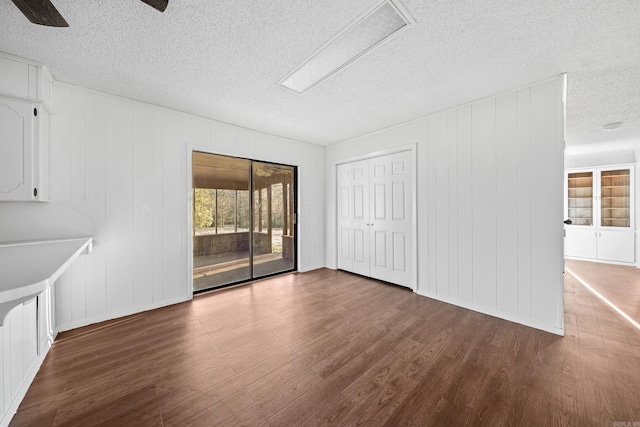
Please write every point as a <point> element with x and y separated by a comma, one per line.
<point>244,220</point>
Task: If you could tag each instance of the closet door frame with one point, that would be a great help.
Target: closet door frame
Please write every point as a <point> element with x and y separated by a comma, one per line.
<point>413,248</point>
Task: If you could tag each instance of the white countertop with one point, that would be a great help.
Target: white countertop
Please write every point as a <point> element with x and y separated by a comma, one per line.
<point>28,268</point>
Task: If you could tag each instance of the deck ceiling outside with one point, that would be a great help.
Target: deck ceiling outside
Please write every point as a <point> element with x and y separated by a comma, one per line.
<point>232,173</point>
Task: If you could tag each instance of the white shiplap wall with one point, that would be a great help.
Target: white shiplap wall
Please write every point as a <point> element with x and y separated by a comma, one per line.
<point>19,351</point>
<point>490,177</point>
<point>125,163</point>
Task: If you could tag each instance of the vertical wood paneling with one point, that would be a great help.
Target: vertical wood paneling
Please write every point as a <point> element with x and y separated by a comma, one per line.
<point>14,326</point>
<point>6,363</point>
<point>465,206</point>
<point>60,150</point>
<point>243,143</point>
<point>229,138</point>
<point>119,204</point>
<point>78,196</point>
<point>96,290</point>
<point>507,207</point>
<point>431,195</point>
<point>215,135</point>
<point>78,137</point>
<point>442,204</point>
<point>523,199</point>
<point>4,351</point>
<point>18,353</point>
<point>194,130</point>
<point>452,232</point>
<point>157,239</point>
<point>483,154</point>
<point>418,133</point>
<point>63,288</point>
<point>78,277</point>
<point>143,203</point>
<point>546,222</point>
<point>29,335</point>
<point>172,205</point>
<point>60,181</point>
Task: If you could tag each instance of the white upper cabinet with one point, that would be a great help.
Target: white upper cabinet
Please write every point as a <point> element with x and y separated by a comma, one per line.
<point>25,95</point>
<point>23,79</point>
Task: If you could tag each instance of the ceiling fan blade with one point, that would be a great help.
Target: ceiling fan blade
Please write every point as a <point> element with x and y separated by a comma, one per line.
<point>160,5</point>
<point>41,12</point>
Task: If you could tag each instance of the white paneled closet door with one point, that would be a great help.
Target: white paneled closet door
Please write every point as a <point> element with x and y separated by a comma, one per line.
<point>375,223</point>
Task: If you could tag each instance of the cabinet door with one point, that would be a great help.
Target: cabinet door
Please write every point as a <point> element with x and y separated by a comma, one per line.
<point>580,242</point>
<point>17,123</point>
<point>615,198</point>
<point>579,199</point>
<point>616,245</point>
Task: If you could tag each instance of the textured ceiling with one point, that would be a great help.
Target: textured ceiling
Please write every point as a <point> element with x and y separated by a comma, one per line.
<point>221,59</point>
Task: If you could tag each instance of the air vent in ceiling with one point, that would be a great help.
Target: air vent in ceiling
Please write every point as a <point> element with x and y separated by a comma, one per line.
<point>376,26</point>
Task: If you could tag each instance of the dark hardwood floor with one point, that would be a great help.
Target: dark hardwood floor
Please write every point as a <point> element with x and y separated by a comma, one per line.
<point>330,348</point>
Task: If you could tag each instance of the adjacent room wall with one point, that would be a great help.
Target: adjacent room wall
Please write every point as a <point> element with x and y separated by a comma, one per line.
<point>125,163</point>
<point>490,179</point>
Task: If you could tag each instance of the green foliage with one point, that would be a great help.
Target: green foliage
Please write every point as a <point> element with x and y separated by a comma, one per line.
<point>204,208</point>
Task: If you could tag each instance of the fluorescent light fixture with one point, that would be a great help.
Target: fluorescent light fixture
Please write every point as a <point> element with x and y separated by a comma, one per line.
<point>372,29</point>
<point>612,126</point>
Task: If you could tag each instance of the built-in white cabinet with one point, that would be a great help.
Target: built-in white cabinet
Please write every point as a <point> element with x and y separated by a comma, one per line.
<point>24,79</point>
<point>24,147</point>
<point>25,96</point>
<point>376,232</point>
<point>600,214</point>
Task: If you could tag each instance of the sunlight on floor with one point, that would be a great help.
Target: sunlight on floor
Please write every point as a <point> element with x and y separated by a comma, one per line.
<point>606,301</point>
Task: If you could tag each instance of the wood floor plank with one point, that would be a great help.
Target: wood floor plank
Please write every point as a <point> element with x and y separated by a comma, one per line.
<point>332,348</point>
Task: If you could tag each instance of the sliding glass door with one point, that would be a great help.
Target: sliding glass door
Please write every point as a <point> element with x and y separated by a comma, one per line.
<point>243,220</point>
<point>273,223</point>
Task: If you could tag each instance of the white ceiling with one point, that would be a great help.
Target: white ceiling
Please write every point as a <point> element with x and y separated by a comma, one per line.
<point>221,59</point>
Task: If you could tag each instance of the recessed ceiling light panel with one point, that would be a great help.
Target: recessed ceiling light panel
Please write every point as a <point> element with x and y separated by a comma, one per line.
<point>369,31</point>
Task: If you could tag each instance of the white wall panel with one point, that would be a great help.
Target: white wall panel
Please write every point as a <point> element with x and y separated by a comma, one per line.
<point>506,204</point>
<point>60,151</point>
<point>119,204</point>
<point>465,206</point>
<point>547,261</point>
<point>60,183</point>
<point>489,203</point>
<point>125,163</point>
<point>95,161</point>
<point>157,275</point>
<point>431,219</point>
<point>442,204</point>
<point>173,204</point>
<point>483,176</point>
<point>4,353</point>
<point>78,195</point>
<point>143,202</point>
<point>525,173</point>
<point>452,179</point>
<point>19,358</point>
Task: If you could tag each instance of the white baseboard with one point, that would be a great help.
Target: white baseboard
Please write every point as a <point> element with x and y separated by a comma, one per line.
<point>121,313</point>
<point>505,316</point>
